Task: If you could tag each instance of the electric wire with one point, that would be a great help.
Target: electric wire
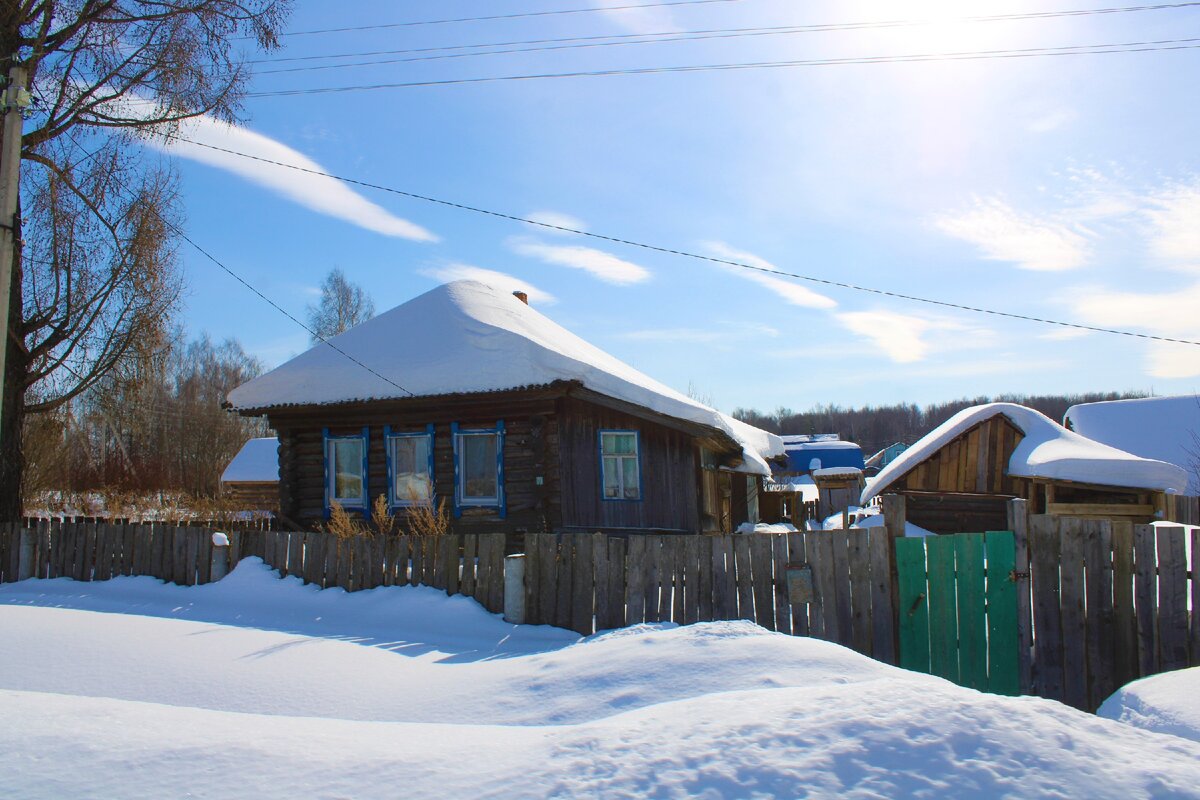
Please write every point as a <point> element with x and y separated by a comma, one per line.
<point>577,42</point>
<point>679,252</point>
<point>975,55</point>
<point>493,17</point>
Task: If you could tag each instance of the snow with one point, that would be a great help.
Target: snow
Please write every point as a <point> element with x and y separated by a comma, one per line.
<point>766,527</point>
<point>803,484</point>
<point>1163,428</point>
<point>1047,450</point>
<point>466,337</point>
<point>220,539</point>
<point>107,690</point>
<point>257,461</point>
<point>837,472</point>
<point>1166,703</point>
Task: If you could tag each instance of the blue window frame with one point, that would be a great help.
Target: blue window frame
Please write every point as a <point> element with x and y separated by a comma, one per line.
<point>409,467</point>
<point>478,468</point>
<point>620,466</point>
<point>346,471</point>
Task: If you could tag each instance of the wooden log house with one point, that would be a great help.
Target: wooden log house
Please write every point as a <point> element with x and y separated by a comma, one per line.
<point>467,396</point>
<point>959,476</point>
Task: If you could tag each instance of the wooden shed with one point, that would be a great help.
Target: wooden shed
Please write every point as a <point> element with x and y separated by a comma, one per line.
<point>251,480</point>
<point>960,475</point>
<point>467,396</point>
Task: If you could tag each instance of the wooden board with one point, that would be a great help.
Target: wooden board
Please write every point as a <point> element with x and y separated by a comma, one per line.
<point>617,572</point>
<point>707,585</point>
<point>1195,596</point>
<point>970,583</point>
<point>783,612</point>
<point>745,577</point>
<point>913,609</point>
<point>1047,621</point>
<point>819,552</point>
<point>562,603</point>
<point>883,614</point>
<point>725,593</point>
<point>763,571</point>
<point>1097,564</point>
<point>841,587</point>
<point>860,590</point>
<point>601,583</point>
<point>943,619</point>
<point>1125,650</point>
<point>1004,644</point>
<point>691,579</point>
<point>797,556</point>
<point>1145,599</point>
<point>653,577</point>
<point>1172,599</point>
<point>1074,633</point>
<point>583,586</point>
<point>547,578</point>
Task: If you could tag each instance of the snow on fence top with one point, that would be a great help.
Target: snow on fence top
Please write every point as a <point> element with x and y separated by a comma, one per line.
<point>467,337</point>
<point>256,462</point>
<point>1048,450</point>
<point>1165,428</point>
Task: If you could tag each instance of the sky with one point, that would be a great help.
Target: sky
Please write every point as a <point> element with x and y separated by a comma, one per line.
<point>1063,187</point>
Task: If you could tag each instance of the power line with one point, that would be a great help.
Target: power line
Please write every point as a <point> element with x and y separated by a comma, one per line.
<point>520,15</point>
<point>668,251</point>
<point>577,42</point>
<point>1080,12</point>
<point>977,55</point>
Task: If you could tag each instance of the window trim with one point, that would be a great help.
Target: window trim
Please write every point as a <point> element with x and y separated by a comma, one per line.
<point>395,503</point>
<point>637,452</point>
<point>456,434</point>
<point>363,503</point>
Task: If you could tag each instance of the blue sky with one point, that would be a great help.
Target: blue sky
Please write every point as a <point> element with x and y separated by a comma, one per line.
<point>1065,187</point>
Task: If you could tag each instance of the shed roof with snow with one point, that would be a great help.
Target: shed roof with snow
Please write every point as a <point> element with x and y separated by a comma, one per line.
<point>1044,449</point>
<point>1163,428</point>
<point>464,338</point>
<point>256,462</point>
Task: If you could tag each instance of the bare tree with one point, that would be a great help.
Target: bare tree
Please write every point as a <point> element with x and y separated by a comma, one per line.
<point>95,275</point>
<point>342,306</point>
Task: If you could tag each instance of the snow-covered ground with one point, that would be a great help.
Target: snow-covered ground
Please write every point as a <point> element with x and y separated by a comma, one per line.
<point>257,687</point>
<point>1167,703</point>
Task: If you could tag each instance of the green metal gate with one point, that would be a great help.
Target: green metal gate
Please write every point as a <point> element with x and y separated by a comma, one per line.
<point>958,608</point>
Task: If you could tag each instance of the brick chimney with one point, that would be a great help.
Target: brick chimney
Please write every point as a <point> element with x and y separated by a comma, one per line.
<point>522,296</point>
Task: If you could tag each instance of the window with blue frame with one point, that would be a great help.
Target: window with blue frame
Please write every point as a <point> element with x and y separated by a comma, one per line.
<point>346,470</point>
<point>479,467</point>
<point>620,469</point>
<point>410,467</point>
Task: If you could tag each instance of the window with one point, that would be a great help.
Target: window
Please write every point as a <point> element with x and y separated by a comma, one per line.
<point>410,467</point>
<point>346,470</point>
<point>479,467</point>
<point>621,476</point>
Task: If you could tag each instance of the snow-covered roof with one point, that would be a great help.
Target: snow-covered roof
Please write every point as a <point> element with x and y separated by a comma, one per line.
<point>257,461</point>
<point>467,337</point>
<point>1165,428</point>
<point>1047,450</point>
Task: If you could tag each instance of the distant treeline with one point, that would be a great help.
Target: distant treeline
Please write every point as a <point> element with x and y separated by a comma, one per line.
<point>876,427</point>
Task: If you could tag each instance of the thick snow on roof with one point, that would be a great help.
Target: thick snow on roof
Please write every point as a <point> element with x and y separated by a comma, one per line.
<point>1165,428</point>
<point>466,337</point>
<point>1048,450</point>
<point>258,460</point>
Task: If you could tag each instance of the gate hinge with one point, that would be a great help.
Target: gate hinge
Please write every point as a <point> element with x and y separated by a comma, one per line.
<point>1014,576</point>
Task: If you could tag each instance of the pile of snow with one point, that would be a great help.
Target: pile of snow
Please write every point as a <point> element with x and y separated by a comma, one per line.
<point>1163,428</point>
<point>257,461</point>
<point>1166,703</point>
<point>263,688</point>
<point>1047,450</point>
<point>837,472</point>
<point>766,527</point>
<point>466,337</point>
<point>803,485</point>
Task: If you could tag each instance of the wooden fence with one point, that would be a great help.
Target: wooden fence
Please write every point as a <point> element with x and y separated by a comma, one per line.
<point>1098,603</point>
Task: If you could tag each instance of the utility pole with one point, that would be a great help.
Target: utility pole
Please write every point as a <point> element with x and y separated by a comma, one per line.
<point>15,101</point>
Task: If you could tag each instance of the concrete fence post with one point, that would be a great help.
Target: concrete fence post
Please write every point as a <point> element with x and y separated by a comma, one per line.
<point>514,589</point>
<point>25,557</point>
<point>220,556</point>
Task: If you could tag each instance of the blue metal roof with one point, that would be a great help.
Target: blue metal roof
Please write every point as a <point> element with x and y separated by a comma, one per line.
<point>834,453</point>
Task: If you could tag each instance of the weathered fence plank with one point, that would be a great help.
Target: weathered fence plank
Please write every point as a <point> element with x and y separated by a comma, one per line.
<point>1125,647</point>
<point>1097,562</point>
<point>1172,599</point>
<point>840,540</point>
<point>783,611</point>
<point>583,586</point>
<point>883,614</point>
<point>745,577</point>
<point>860,590</point>
<point>1074,633</point>
<point>617,572</point>
<point>762,564</point>
<point>1145,597</point>
<point>601,583</point>
<point>1044,543</point>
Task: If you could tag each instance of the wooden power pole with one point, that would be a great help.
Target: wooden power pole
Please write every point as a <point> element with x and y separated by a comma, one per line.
<point>15,101</point>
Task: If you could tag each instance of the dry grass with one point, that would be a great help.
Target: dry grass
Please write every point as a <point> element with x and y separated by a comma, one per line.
<point>424,520</point>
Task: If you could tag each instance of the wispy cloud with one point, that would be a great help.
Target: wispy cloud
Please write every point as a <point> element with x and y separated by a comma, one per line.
<point>1174,217</point>
<point>787,290</point>
<point>899,336</point>
<point>637,20</point>
<point>598,263</point>
<point>1004,234</point>
<point>493,278</point>
<point>1172,314</point>
<point>725,332</point>
<point>558,220</point>
<point>324,195</point>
